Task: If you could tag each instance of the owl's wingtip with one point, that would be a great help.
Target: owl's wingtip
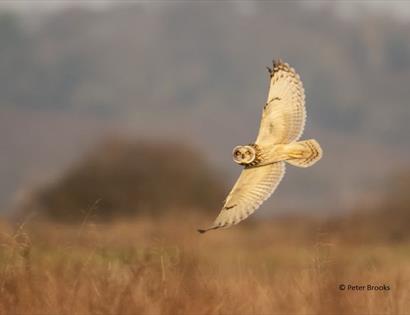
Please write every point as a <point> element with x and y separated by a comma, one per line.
<point>277,62</point>
<point>213,227</point>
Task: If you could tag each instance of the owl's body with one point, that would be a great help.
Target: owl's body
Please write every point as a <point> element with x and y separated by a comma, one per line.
<point>282,124</point>
<point>300,153</point>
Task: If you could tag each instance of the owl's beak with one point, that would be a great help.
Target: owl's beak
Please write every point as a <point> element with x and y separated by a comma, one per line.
<point>243,156</point>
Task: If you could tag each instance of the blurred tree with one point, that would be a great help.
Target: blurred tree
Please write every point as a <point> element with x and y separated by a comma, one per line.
<point>131,178</point>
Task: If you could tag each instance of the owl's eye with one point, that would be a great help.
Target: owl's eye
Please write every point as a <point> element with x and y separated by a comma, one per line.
<point>248,152</point>
<point>237,153</point>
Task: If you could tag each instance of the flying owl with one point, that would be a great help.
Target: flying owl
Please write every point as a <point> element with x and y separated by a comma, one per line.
<point>282,124</point>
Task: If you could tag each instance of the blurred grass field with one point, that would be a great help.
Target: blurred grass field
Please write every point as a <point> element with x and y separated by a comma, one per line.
<point>163,266</point>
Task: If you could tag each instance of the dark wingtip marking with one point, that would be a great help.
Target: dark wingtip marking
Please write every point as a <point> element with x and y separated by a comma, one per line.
<point>214,227</point>
<point>230,207</point>
<point>277,62</point>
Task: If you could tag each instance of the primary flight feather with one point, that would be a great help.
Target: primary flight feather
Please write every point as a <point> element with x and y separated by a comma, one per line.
<point>282,124</point>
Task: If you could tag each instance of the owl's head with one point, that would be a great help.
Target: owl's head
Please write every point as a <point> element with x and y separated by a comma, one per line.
<point>244,154</point>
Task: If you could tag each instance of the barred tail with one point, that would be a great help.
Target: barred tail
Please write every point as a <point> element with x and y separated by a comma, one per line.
<point>304,153</point>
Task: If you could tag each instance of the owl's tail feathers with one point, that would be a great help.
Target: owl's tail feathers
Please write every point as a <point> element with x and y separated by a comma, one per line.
<point>305,153</point>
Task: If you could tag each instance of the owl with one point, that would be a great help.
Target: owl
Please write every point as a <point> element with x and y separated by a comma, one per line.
<point>264,162</point>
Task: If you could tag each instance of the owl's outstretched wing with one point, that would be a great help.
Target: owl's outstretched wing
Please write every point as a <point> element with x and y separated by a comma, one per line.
<point>253,187</point>
<point>284,115</point>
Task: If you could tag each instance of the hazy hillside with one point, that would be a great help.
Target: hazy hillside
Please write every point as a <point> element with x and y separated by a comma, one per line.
<point>196,73</point>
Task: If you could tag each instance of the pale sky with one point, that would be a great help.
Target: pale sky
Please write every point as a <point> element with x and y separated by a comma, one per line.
<point>399,9</point>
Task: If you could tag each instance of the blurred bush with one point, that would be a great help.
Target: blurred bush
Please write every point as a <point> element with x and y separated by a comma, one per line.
<point>126,178</point>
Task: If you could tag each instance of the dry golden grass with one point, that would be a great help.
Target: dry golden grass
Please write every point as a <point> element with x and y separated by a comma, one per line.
<point>166,267</point>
